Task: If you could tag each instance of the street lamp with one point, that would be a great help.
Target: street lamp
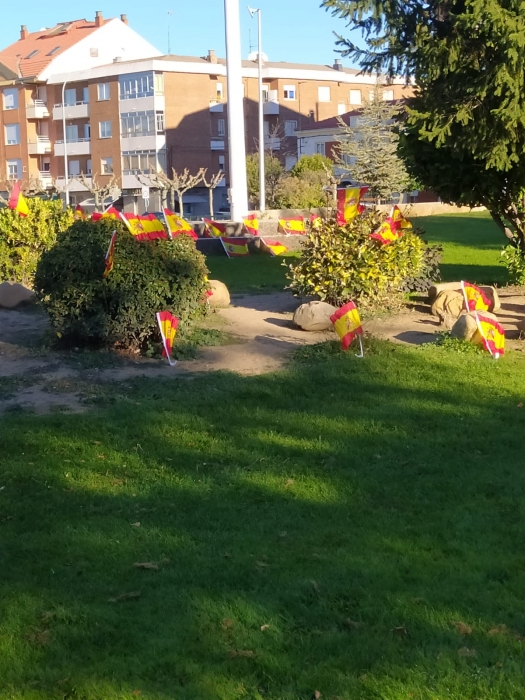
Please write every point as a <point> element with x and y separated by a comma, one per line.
<point>262,178</point>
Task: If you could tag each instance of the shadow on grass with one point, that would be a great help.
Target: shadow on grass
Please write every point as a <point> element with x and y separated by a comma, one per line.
<point>477,274</point>
<point>359,508</point>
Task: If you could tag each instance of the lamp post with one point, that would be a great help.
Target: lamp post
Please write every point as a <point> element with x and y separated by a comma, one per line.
<point>262,177</point>
<point>66,174</point>
<point>236,138</point>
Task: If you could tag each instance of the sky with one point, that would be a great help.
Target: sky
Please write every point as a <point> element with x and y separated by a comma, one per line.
<point>293,30</point>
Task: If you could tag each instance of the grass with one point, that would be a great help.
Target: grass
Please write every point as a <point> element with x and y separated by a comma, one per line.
<point>353,527</point>
<point>258,274</point>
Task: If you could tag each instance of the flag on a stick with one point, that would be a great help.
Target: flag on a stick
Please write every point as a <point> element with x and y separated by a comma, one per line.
<point>214,228</point>
<point>347,324</point>
<point>110,255</point>
<point>234,248</point>
<point>80,214</point>
<point>398,218</point>
<point>273,247</point>
<point>475,298</point>
<point>349,203</point>
<point>153,228</point>
<point>177,225</point>
<point>315,220</point>
<point>389,231</point>
<point>109,213</point>
<point>17,201</point>
<point>492,335</point>
<point>293,225</point>
<point>251,223</point>
<point>168,325</point>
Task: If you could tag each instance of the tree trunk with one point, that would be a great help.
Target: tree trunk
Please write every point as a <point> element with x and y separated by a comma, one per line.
<point>181,205</point>
<point>210,194</point>
<point>97,201</point>
<point>172,199</point>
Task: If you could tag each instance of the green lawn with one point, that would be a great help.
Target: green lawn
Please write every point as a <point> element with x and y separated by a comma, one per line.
<point>353,527</point>
<point>258,274</point>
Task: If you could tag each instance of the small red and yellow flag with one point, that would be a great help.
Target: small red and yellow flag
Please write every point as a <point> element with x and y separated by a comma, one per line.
<point>389,231</point>
<point>17,201</point>
<point>347,324</point>
<point>398,218</point>
<point>492,335</point>
<point>153,228</point>
<point>475,298</point>
<point>177,225</point>
<point>315,220</point>
<point>134,225</point>
<point>80,214</point>
<point>234,248</point>
<point>348,203</point>
<point>251,224</point>
<point>109,213</point>
<point>214,229</point>
<point>273,247</point>
<point>293,225</point>
<point>168,325</point>
<point>110,255</point>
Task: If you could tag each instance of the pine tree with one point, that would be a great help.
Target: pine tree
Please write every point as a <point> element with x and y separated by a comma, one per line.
<point>369,150</point>
<point>465,130</point>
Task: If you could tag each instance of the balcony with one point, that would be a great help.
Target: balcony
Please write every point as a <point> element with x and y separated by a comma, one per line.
<point>80,110</point>
<point>73,185</point>
<point>217,145</point>
<point>81,147</point>
<point>271,102</point>
<point>271,143</point>
<point>216,106</point>
<point>39,146</point>
<point>37,110</point>
<point>45,178</point>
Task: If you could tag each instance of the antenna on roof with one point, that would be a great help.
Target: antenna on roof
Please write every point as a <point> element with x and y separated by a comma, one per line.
<point>170,14</point>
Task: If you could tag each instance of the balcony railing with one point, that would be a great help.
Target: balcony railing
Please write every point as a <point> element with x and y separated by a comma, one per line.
<point>39,146</point>
<point>77,110</point>
<point>74,147</point>
<point>37,109</point>
<point>216,106</point>
<point>71,104</point>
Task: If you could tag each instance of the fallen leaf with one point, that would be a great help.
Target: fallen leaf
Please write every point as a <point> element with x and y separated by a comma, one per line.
<point>137,693</point>
<point>315,586</point>
<point>41,638</point>
<point>283,533</point>
<point>244,653</point>
<point>227,555</point>
<point>317,695</point>
<point>125,596</point>
<point>47,617</point>
<point>264,628</point>
<point>520,405</point>
<point>499,664</point>
<point>399,632</point>
<point>96,442</point>
<point>101,456</point>
<point>227,623</point>
<point>465,651</point>
<point>350,624</point>
<point>289,483</point>
<point>150,565</point>
<point>463,628</point>
<point>135,524</point>
<point>499,629</point>
<point>262,564</point>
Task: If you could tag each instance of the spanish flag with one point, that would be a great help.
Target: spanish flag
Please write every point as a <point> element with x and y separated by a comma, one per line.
<point>80,214</point>
<point>251,223</point>
<point>389,231</point>
<point>293,225</point>
<point>168,325</point>
<point>134,225</point>
<point>110,255</point>
<point>214,229</point>
<point>348,204</point>
<point>234,248</point>
<point>399,219</point>
<point>17,201</point>
<point>109,213</point>
<point>492,335</point>
<point>315,221</point>
<point>347,324</point>
<point>273,247</point>
<point>177,225</point>
<point>475,298</point>
<point>153,228</point>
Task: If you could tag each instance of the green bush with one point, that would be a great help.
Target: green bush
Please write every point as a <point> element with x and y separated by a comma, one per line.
<point>514,261</point>
<point>23,240</point>
<point>340,263</point>
<point>86,309</point>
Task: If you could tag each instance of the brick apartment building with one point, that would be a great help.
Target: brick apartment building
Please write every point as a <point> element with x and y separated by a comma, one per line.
<point>140,111</point>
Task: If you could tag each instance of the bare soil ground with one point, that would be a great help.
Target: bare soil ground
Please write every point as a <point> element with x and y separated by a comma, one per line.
<point>261,327</point>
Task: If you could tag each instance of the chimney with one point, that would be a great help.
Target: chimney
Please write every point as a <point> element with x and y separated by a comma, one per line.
<point>124,19</point>
<point>23,32</point>
<point>99,19</point>
<point>212,56</point>
<point>338,64</point>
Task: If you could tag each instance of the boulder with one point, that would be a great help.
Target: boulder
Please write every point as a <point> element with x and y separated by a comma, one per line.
<point>314,316</point>
<point>466,327</point>
<point>220,295</point>
<point>491,292</point>
<point>13,294</point>
<point>447,306</point>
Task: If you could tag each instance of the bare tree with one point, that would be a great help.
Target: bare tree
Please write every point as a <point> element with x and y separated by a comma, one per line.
<point>179,184</point>
<point>211,185</point>
<point>157,181</point>
<point>31,187</point>
<point>100,191</point>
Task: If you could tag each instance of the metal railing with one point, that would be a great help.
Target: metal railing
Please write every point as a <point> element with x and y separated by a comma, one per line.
<point>72,104</point>
<point>77,140</point>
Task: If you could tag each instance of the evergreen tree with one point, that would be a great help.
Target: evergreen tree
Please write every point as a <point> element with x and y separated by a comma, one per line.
<point>465,129</point>
<point>369,150</point>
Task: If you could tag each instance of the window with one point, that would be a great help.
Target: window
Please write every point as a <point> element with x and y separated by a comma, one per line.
<point>220,91</point>
<point>139,161</point>
<point>11,98</point>
<point>104,130</point>
<point>290,161</point>
<point>220,127</point>
<point>12,134</point>
<point>320,148</point>
<point>221,162</point>
<point>14,168</point>
<point>93,52</point>
<point>72,133</point>
<point>32,54</point>
<point>89,167</point>
<point>85,95</point>
<point>266,93</point>
<point>71,97</point>
<point>355,97</point>
<point>138,85</point>
<point>388,95</point>
<point>159,83</point>
<point>74,168</point>
<point>107,166</point>
<point>341,108</point>
<point>139,123</point>
<point>103,91</point>
<point>87,132</point>
<point>289,92</point>
<point>53,51</point>
<point>323,94</point>
<point>160,123</point>
<point>290,127</point>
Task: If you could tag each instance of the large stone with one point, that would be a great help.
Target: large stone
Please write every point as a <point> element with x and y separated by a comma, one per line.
<point>314,316</point>
<point>490,292</point>
<point>220,294</point>
<point>466,327</point>
<point>13,294</point>
<point>447,306</point>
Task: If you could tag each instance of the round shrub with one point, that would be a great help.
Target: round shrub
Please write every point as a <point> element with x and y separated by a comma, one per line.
<point>340,263</point>
<point>147,277</point>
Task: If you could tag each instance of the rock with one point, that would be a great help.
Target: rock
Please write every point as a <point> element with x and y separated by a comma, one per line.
<point>221,295</point>
<point>491,293</point>
<point>448,305</point>
<point>13,294</point>
<point>314,316</point>
<point>466,327</point>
